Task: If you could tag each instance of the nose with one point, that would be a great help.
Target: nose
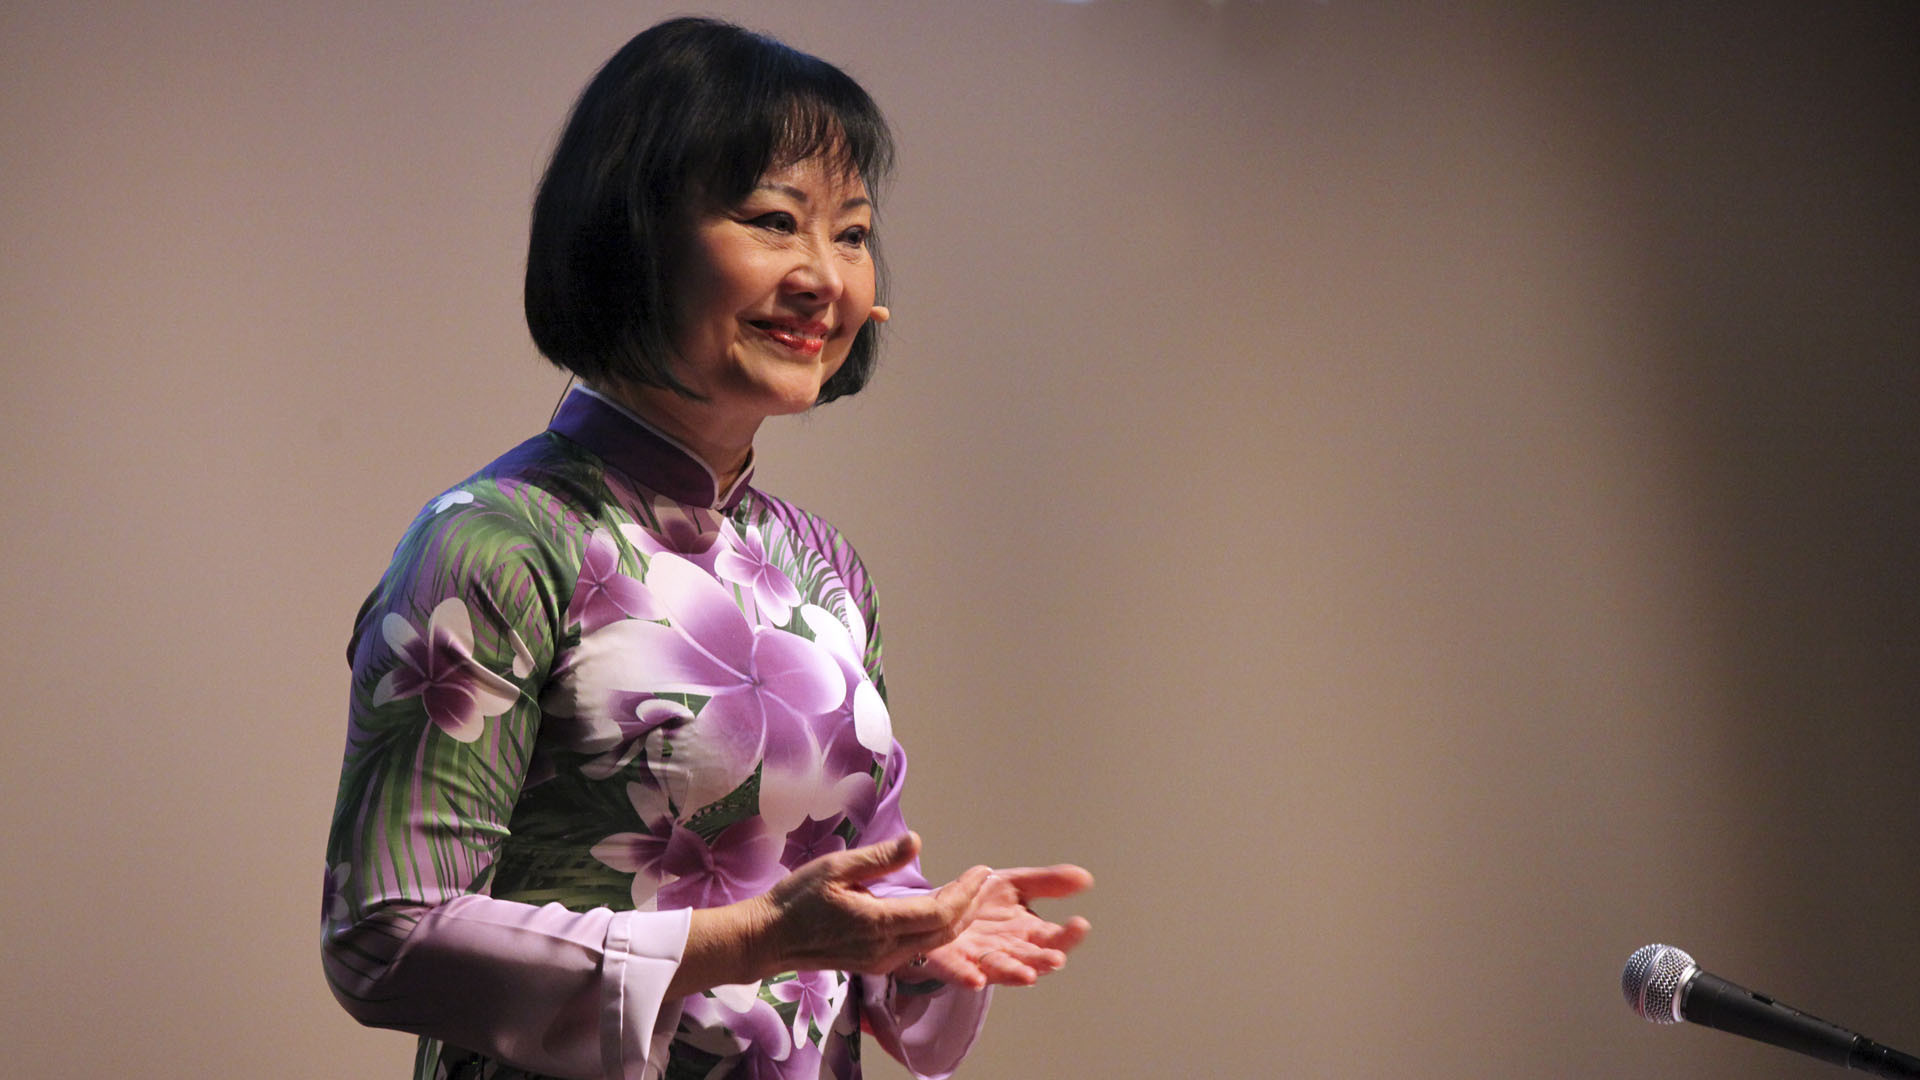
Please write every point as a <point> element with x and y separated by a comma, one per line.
<point>817,273</point>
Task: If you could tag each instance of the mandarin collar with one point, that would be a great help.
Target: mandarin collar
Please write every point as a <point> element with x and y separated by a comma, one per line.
<point>650,457</point>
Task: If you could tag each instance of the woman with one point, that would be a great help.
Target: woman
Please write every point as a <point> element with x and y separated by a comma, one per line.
<point>621,796</point>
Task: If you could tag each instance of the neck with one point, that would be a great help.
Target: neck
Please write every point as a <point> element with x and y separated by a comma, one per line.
<point>722,442</point>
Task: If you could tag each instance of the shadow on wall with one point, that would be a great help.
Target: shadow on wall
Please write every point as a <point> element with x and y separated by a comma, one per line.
<point>1781,270</point>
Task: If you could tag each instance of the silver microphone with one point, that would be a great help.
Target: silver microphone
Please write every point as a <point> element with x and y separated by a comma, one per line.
<point>1652,982</point>
<point>1664,985</point>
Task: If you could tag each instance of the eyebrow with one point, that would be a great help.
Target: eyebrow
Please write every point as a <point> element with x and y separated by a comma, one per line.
<point>800,196</point>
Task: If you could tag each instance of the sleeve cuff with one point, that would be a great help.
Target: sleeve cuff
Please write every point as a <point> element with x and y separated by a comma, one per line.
<point>643,951</point>
<point>929,1032</point>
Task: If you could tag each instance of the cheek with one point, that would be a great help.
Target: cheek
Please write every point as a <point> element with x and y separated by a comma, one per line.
<point>861,288</point>
<point>717,279</point>
<point>693,305</point>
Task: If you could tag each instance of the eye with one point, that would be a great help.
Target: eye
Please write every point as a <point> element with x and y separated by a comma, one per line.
<point>856,236</point>
<point>777,221</point>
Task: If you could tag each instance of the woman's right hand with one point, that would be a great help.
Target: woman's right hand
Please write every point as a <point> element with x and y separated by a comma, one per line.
<point>821,917</point>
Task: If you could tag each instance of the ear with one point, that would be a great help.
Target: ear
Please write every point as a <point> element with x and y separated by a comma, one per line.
<point>879,314</point>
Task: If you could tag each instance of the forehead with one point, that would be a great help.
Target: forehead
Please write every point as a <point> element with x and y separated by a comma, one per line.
<point>818,181</point>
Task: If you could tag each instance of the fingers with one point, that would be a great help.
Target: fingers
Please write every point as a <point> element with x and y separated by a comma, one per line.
<point>875,860</point>
<point>975,930</point>
<point>1071,934</point>
<point>960,966</point>
<point>1047,882</point>
<point>961,896</point>
<point>1002,968</point>
<point>1015,965</point>
<point>948,968</point>
<point>1036,957</point>
<point>1002,953</point>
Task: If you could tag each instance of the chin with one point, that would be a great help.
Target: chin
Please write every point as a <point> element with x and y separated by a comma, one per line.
<point>772,386</point>
<point>774,398</point>
<point>785,396</point>
<point>792,406</point>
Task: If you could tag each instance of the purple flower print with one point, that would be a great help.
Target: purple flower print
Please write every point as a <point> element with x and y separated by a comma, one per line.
<point>817,785</point>
<point>742,862</point>
<point>745,563</point>
<point>333,896</point>
<point>634,718</point>
<point>673,867</point>
<point>818,994</point>
<point>691,532</point>
<point>847,642</point>
<point>813,839</point>
<point>873,809</point>
<point>603,594</point>
<point>803,1063</point>
<point>825,783</point>
<point>641,853</point>
<point>438,667</point>
<point>766,687</point>
<point>733,1022</point>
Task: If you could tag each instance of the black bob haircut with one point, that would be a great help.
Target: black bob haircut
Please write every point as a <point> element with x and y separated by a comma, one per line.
<point>690,113</point>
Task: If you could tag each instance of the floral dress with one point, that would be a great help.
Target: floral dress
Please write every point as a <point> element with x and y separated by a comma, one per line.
<point>591,693</point>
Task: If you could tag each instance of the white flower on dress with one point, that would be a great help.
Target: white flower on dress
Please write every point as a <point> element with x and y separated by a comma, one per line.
<point>745,563</point>
<point>438,667</point>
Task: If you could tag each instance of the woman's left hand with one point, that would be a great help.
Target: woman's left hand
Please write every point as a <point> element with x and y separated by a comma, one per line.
<point>1004,943</point>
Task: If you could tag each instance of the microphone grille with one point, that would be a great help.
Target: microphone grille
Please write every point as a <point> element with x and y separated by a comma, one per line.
<point>1652,980</point>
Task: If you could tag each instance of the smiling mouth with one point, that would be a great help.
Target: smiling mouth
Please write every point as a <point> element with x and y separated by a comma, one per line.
<point>804,338</point>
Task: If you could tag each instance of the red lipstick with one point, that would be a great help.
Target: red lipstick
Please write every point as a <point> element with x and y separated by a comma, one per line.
<point>802,336</point>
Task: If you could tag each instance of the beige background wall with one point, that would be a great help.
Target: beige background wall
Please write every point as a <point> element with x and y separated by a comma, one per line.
<point>1421,498</point>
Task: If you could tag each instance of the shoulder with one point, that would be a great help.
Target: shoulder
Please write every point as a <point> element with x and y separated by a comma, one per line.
<point>520,507</point>
<point>507,537</point>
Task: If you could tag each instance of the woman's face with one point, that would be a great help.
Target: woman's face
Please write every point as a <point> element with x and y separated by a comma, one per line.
<point>773,290</point>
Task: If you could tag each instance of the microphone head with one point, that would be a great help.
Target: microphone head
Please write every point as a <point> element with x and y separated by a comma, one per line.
<point>1652,982</point>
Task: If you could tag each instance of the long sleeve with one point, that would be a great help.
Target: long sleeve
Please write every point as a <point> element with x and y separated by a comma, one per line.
<point>553,991</point>
<point>448,658</point>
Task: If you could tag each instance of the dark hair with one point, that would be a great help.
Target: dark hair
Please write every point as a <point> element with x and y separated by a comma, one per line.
<point>690,112</point>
